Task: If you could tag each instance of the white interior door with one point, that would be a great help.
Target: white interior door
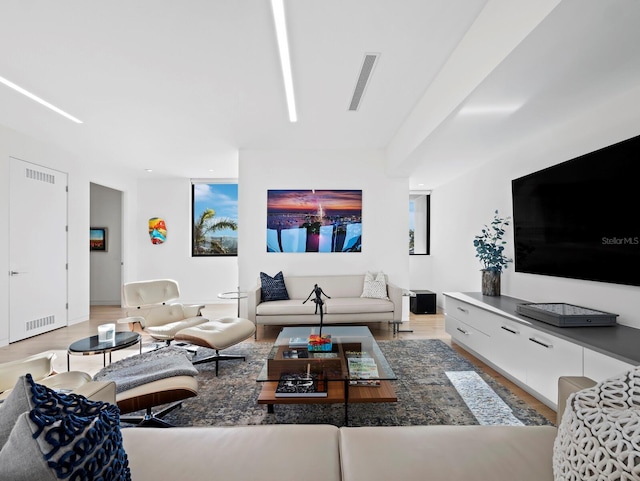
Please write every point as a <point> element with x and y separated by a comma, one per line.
<point>37,250</point>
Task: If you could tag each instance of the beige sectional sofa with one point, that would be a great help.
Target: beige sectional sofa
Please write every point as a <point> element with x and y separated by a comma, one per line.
<point>597,436</point>
<point>344,306</point>
<point>326,453</point>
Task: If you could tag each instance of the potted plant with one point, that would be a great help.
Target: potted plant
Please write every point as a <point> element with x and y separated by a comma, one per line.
<point>490,250</point>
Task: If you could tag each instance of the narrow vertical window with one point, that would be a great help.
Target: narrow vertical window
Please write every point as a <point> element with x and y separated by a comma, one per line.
<point>419,212</point>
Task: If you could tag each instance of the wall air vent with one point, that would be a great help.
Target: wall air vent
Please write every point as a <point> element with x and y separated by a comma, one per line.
<point>368,63</point>
<point>41,322</point>
<point>40,176</point>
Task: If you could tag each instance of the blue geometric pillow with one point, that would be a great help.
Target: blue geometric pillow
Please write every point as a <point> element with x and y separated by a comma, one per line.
<point>273,288</point>
<point>63,436</point>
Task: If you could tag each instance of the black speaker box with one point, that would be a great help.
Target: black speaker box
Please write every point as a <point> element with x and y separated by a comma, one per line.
<point>423,303</point>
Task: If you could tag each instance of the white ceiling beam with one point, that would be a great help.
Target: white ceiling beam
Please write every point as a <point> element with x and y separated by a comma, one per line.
<point>498,30</point>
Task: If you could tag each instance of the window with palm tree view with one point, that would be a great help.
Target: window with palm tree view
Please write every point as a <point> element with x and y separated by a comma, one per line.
<point>215,219</point>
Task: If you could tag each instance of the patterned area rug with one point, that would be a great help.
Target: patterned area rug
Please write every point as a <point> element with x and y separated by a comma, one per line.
<point>425,393</point>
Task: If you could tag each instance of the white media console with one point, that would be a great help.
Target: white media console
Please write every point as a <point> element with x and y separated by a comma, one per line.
<point>534,354</point>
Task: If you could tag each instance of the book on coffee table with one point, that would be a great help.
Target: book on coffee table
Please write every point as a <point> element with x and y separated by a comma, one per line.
<point>363,371</point>
<point>301,385</point>
<point>295,354</point>
<point>297,342</point>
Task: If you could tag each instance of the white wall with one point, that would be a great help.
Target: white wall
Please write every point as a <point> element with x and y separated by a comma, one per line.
<point>385,213</point>
<point>105,270</point>
<point>13,144</point>
<point>200,279</point>
<point>460,209</point>
<point>25,148</point>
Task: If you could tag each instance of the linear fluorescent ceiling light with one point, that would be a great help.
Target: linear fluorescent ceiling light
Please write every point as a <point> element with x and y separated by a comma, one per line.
<point>285,60</point>
<point>497,109</point>
<point>17,88</point>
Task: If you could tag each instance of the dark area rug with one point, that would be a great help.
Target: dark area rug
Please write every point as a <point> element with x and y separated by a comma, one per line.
<point>425,394</point>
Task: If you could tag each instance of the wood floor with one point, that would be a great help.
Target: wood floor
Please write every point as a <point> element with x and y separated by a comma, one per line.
<point>426,326</point>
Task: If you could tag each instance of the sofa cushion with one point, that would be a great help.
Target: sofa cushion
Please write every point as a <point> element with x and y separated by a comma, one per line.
<point>599,432</point>
<point>63,436</point>
<point>375,286</point>
<point>445,453</point>
<point>273,288</point>
<point>284,451</point>
<point>299,287</point>
<point>13,406</point>
<point>357,305</point>
<point>290,307</point>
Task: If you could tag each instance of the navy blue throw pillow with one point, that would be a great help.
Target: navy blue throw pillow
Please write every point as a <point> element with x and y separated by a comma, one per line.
<point>273,288</point>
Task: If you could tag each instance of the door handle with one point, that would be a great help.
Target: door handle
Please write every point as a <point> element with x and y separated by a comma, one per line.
<point>15,273</point>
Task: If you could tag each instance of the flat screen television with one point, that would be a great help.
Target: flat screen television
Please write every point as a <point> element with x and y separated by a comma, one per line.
<point>581,219</point>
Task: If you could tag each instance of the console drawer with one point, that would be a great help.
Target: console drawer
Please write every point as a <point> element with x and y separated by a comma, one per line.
<point>471,315</point>
<point>467,335</point>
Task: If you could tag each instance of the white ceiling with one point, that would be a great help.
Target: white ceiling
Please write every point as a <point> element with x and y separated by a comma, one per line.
<point>180,87</point>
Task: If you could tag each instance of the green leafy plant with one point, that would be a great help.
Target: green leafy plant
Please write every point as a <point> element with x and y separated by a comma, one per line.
<point>490,245</point>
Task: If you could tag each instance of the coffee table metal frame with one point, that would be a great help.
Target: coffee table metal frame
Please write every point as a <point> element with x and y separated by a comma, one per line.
<point>340,390</point>
<point>91,345</point>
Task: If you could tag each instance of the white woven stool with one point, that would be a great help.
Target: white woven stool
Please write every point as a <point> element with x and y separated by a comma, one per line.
<point>218,334</point>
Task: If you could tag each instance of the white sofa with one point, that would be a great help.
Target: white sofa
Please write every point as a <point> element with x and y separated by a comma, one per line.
<point>326,453</point>
<point>344,306</point>
<point>437,453</point>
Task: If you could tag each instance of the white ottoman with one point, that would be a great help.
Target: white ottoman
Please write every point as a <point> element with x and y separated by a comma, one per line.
<point>217,334</point>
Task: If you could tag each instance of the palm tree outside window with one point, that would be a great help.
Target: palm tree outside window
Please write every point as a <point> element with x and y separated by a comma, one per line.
<point>215,219</point>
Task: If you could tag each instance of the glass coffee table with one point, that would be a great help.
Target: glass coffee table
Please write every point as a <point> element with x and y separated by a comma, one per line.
<point>353,371</point>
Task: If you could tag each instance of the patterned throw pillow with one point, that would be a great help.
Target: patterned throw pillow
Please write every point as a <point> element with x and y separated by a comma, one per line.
<point>599,431</point>
<point>62,436</point>
<point>375,287</point>
<point>273,288</point>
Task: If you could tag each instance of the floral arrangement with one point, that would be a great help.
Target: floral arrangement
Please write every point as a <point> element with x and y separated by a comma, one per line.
<point>490,245</point>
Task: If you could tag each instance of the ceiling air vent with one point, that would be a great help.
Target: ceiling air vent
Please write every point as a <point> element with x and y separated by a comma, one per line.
<point>368,63</point>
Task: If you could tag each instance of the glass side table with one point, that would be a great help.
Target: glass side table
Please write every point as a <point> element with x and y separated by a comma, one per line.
<point>234,295</point>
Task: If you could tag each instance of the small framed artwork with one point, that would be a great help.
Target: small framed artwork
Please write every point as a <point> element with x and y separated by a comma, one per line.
<point>98,239</point>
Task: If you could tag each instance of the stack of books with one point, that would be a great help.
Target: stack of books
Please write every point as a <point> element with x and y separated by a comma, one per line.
<point>363,371</point>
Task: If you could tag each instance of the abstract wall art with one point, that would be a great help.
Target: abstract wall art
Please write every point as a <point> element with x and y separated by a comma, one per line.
<point>157,230</point>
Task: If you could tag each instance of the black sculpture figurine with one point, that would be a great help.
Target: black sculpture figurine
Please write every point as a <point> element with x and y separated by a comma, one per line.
<point>317,290</point>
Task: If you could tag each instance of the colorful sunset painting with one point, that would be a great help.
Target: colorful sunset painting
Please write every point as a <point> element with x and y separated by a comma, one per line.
<point>98,239</point>
<point>314,221</point>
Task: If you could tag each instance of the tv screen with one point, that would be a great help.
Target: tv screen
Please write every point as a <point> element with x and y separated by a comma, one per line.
<point>581,219</point>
